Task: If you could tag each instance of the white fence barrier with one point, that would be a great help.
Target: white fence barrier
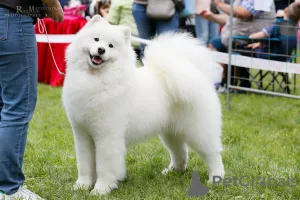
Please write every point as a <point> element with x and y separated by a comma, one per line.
<point>238,60</point>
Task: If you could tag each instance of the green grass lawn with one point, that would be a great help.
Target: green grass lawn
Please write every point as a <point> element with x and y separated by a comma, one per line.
<point>260,137</point>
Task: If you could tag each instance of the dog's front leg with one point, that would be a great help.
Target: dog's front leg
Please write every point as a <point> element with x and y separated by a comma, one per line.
<point>110,162</point>
<point>85,152</point>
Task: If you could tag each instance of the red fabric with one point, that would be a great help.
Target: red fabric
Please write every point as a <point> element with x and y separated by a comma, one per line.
<point>73,13</point>
<point>47,72</point>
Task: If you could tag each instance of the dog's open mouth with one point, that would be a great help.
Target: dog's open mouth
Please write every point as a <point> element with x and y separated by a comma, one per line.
<point>96,60</point>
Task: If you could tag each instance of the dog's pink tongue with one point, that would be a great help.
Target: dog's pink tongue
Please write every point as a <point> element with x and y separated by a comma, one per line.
<point>97,59</point>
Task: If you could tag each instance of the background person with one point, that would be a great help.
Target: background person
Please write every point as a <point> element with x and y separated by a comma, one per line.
<point>94,7</point>
<point>102,7</point>
<point>292,13</point>
<point>147,27</point>
<point>246,21</point>
<point>285,29</point>
<point>205,29</point>
<point>18,88</point>
<point>64,3</point>
<point>120,13</point>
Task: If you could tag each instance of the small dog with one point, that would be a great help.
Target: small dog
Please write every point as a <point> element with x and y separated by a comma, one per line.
<point>111,103</point>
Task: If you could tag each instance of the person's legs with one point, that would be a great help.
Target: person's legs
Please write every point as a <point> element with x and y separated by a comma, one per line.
<point>202,29</point>
<point>144,24</point>
<point>244,77</point>
<point>165,26</point>
<point>18,82</point>
<point>243,73</point>
<point>216,44</point>
<point>1,103</point>
<point>214,30</point>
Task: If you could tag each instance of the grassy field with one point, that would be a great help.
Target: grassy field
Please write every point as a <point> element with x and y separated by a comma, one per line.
<point>260,137</point>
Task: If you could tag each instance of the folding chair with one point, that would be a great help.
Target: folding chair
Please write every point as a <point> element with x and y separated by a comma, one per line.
<point>279,48</point>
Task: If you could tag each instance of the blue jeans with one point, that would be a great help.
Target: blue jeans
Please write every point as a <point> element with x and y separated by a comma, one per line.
<point>216,42</point>
<point>18,94</point>
<point>206,30</point>
<point>147,28</point>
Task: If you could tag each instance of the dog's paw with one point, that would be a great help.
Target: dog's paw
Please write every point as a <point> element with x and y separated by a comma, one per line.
<point>83,185</point>
<point>217,175</point>
<point>167,170</point>
<point>102,189</point>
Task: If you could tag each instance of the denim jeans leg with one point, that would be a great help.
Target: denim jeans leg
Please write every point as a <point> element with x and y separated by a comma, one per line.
<point>18,82</point>
<point>165,26</point>
<point>1,103</point>
<point>145,25</point>
<point>214,30</point>
<point>202,30</point>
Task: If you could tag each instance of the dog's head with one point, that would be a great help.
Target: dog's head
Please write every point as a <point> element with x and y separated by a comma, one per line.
<point>99,44</point>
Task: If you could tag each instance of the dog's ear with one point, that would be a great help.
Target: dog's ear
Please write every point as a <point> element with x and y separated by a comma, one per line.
<point>126,32</point>
<point>96,19</point>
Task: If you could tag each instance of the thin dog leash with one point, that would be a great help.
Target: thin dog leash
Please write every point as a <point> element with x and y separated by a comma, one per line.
<point>42,29</point>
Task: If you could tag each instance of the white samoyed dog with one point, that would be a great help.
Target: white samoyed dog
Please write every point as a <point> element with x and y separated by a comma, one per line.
<point>110,103</point>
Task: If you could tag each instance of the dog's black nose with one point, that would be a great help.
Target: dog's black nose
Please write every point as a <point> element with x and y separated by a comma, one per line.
<point>101,50</point>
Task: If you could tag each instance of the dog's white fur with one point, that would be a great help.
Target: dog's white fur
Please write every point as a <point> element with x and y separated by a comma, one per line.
<point>114,104</point>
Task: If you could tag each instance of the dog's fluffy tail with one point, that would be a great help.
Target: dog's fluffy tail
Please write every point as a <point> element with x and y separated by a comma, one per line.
<point>184,66</point>
<point>182,47</point>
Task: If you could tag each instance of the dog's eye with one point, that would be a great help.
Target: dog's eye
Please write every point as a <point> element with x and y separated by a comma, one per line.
<point>96,39</point>
<point>111,46</point>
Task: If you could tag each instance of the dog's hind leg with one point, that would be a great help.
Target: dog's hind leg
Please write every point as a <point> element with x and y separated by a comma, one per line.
<point>178,151</point>
<point>208,146</point>
<point>213,161</point>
